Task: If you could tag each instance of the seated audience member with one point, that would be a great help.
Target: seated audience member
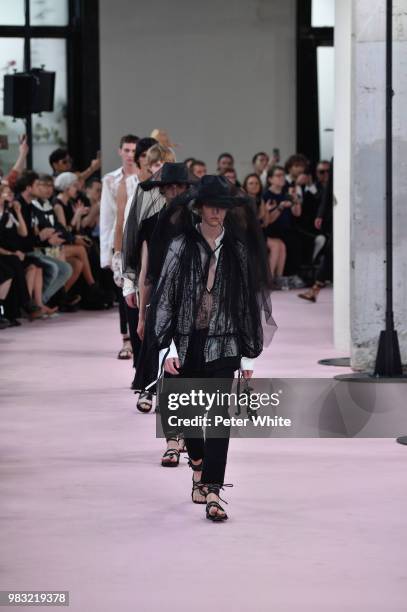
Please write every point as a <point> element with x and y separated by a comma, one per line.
<point>276,247</point>
<point>324,223</point>
<point>90,222</point>
<point>230,174</point>
<point>295,166</point>
<point>6,280</point>
<point>69,206</point>
<point>90,226</point>
<point>322,173</point>
<point>252,186</point>
<point>225,160</point>
<point>260,163</point>
<point>69,210</point>
<point>188,161</point>
<point>27,271</point>
<point>312,240</point>
<point>282,208</point>
<point>56,272</point>
<point>198,168</point>
<point>60,161</point>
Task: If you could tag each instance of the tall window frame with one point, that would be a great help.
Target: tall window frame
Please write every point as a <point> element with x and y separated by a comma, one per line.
<point>309,38</point>
<point>83,87</point>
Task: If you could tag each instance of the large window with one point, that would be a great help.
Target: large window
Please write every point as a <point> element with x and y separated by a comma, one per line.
<point>316,83</point>
<point>62,36</point>
<point>50,129</point>
<point>12,58</point>
<point>323,13</point>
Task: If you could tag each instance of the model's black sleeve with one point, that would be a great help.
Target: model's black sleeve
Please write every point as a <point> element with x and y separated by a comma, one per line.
<point>249,315</point>
<point>163,305</point>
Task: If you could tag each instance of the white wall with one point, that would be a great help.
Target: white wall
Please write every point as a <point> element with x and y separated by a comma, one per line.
<point>219,76</point>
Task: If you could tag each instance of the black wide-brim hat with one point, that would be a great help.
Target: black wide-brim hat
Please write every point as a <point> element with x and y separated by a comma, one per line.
<point>214,190</point>
<point>171,173</point>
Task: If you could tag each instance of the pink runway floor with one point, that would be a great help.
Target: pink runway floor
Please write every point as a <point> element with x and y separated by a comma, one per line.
<point>316,525</point>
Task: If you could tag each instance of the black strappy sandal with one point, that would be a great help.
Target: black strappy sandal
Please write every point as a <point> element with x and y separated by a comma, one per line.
<point>171,452</point>
<point>215,517</point>
<point>144,402</point>
<point>197,485</point>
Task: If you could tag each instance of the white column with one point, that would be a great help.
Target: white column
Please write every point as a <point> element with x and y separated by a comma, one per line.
<point>342,184</point>
<point>367,226</point>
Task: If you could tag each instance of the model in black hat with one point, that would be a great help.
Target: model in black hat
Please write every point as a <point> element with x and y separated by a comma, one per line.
<point>151,198</point>
<point>205,314</point>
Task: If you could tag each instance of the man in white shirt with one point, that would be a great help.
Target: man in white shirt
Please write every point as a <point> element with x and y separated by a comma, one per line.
<point>124,179</point>
<point>127,175</point>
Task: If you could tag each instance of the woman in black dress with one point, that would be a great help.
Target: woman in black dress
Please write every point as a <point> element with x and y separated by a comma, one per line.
<point>27,270</point>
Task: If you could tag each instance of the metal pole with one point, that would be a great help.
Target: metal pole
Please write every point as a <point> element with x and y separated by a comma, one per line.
<point>27,68</point>
<point>388,360</point>
<point>389,167</point>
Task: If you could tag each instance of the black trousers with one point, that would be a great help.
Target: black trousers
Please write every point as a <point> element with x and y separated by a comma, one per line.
<point>132,315</point>
<point>18,295</point>
<point>128,323</point>
<point>325,270</point>
<point>213,448</point>
<point>122,309</point>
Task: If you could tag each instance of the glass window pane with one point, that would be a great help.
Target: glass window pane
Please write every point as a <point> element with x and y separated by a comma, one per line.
<point>326,99</point>
<point>50,129</point>
<point>12,58</point>
<point>49,12</point>
<point>12,12</point>
<point>323,13</point>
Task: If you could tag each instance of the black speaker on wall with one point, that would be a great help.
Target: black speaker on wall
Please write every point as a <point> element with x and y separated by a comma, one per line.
<point>44,88</point>
<point>29,92</point>
<point>17,94</point>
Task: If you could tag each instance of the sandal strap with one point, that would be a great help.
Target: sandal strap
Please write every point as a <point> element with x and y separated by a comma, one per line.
<point>195,468</point>
<point>214,504</point>
<point>171,452</point>
<point>198,486</point>
<point>215,488</point>
<point>145,396</point>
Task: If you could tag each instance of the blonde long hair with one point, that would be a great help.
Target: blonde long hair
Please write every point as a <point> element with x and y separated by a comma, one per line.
<point>159,153</point>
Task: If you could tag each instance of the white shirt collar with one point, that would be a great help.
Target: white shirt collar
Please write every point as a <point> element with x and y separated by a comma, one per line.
<point>117,175</point>
<point>218,241</point>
